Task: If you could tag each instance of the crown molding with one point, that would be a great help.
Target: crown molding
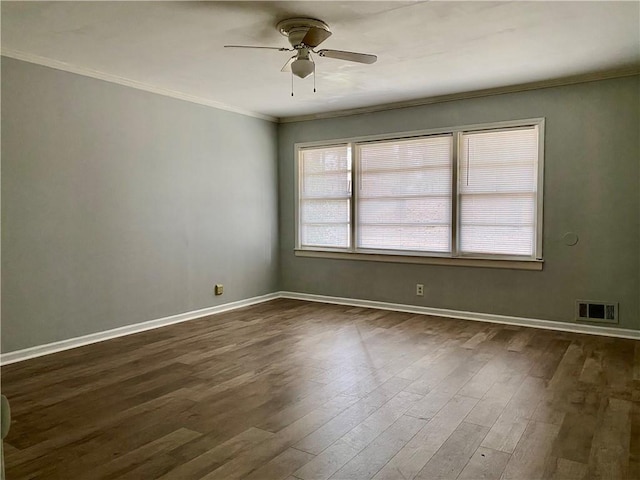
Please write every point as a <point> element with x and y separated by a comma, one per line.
<point>127,82</point>
<point>556,82</point>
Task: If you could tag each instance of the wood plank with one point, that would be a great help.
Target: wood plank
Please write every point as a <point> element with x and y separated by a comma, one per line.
<point>416,453</point>
<point>246,462</point>
<point>549,361</point>
<point>135,458</point>
<point>520,340</point>
<point>350,418</point>
<point>530,458</point>
<point>328,462</point>
<point>568,470</point>
<point>634,441</point>
<point>454,454</point>
<point>281,466</point>
<point>478,338</point>
<point>348,446</point>
<point>636,362</point>
<point>156,466</point>
<point>506,432</point>
<point>494,401</point>
<point>370,460</point>
<point>610,447</point>
<point>443,365</point>
<point>486,464</point>
<point>213,458</point>
<point>482,381</point>
<point>575,437</point>
<point>450,385</point>
<point>526,399</point>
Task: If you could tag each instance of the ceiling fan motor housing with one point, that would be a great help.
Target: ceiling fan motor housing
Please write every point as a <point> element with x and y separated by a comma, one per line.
<point>296,28</point>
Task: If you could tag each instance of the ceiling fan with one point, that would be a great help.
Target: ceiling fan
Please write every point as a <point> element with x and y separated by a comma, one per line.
<point>304,35</point>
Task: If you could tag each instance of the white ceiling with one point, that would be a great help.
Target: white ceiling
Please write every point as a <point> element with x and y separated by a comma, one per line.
<point>424,48</point>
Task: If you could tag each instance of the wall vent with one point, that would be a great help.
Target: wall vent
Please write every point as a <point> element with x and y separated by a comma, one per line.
<point>598,312</point>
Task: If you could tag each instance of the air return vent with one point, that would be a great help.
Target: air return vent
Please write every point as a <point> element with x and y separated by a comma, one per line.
<point>599,312</point>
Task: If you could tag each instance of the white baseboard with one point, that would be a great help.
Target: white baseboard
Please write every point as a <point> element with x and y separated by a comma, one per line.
<point>480,317</point>
<point>40,350</point>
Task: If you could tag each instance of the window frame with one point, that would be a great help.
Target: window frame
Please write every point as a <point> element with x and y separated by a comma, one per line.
<point>298,183</point>
<point>455,257</point>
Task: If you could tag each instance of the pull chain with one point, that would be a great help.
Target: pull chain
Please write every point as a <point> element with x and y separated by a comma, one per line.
<point>314,79</point>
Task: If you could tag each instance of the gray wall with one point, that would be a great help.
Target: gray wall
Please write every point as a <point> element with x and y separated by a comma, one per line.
<point>591,187</point>
<point>120,206</point>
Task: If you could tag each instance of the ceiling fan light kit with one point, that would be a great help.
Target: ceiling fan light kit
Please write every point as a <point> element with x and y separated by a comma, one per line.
<point>302,67</point>
<point>304,35</point>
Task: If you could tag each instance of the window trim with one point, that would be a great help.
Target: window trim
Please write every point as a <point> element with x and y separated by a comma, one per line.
<point>455,257</point>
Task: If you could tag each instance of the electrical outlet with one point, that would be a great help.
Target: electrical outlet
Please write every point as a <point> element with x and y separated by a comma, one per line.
<point>218,289</point>
<point>419,290</point>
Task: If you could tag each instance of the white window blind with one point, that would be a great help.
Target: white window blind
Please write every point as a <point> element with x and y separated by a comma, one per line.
<point>404,194</point>
<point>497,186</point>
<point>325,197</point>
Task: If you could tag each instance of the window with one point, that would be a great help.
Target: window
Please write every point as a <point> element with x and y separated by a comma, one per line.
<point>325,197</point>
<point>470,192</point>
<point>498,192</point>
<point>404,195</point>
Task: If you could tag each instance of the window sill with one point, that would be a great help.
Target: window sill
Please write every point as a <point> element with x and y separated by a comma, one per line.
<point>424,260</point>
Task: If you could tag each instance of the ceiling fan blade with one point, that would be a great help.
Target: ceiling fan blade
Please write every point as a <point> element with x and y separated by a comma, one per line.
<point>315,36</point>
<point>287,66</point>
<point>282,49</point>
<point>349,56</point>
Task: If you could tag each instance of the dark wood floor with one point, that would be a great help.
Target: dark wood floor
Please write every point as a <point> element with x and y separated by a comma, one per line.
<point>296,390</point>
